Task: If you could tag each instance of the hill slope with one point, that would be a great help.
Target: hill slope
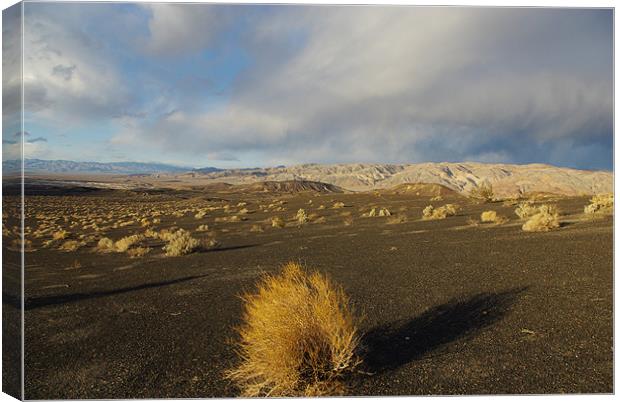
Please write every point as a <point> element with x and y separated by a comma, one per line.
<point>506,179</point>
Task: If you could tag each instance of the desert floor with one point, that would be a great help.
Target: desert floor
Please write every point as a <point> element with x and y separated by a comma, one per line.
<point>448,307</point>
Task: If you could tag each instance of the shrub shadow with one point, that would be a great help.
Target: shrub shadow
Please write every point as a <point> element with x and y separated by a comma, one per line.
<point>389,346</point>
<point>43,301</point>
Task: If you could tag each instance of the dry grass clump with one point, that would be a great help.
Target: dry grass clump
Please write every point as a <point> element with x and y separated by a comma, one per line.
<point>377,212</point>
<point>431,213</point>
<point>125,243</point>
<point>437,198</point>
<point>338,205</point>
<point>203,228</point>
<point>71,245</point>
<point>348,220</point>
<point>546,219</point>
<point>105,245</point>
<point>397,219</point>
<point>484,193</point>
<point>298,337</point>
<point>200,214</point>
<point>180,243</point>
<point>526,210</point>
<point>301,217</point>
<point>138,252</point>
<point>600,204</point>
<point>256,228</point>
<point>277,222</point>
<point>492,217</point>
<point>60,234</point>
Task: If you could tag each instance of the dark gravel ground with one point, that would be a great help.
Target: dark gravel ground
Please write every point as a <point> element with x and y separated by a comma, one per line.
<point>448,308</point>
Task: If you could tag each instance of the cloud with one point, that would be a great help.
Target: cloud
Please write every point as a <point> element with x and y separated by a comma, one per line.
<point>69,78</point>
<point>402,84</point>
<point>180,28</point>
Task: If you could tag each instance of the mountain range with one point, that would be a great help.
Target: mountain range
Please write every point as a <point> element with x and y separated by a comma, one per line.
<point>506,179</point>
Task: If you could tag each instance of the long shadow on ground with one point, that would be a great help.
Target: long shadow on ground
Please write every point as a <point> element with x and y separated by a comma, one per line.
<point>392,345</point>
<point>36,302</point>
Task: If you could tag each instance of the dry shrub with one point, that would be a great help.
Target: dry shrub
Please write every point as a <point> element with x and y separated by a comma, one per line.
<point>138,252</point>
<point>203,228</point>
<point>277,222</point>
<point>375,211</point>
<point>348,220</point>
<point>546,219</point>
<point>200,214</point>
<point>71,245</point>
<point>397,219</point>
<point>180,243</point>
<point>125,243</point>
<point>526,210</point>
<point>431,213</point>
<point>338,205</point>
<point>600,204</point>
<point>256,228</point>
<point>437,198</point>
<point>301,217</point>
<point>484,192</point>
<point>105,245</point>
<point>298,337</point>
<point>492,217</point>
<point>60,234</point>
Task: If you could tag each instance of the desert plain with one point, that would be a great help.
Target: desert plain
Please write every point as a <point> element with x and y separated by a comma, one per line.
<point>448,306</point>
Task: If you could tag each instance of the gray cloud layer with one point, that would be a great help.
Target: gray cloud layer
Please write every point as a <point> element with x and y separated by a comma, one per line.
<point>409,84</point>
<point>344,84</point>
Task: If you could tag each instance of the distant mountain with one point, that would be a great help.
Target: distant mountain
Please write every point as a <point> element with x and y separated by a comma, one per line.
<point>506,179</point>
<point>64,166</point>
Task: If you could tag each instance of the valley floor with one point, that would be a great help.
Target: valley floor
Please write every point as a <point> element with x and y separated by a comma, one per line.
<point>448,307</point>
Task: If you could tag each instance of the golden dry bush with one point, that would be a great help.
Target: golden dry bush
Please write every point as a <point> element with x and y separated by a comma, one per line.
<point>138,252</point>
<point>431,213</point>
<point>180,243</point>
<point>397,219</point>
<point>71,245</point>
<point>125,243</point>
<point>301,217</point>
<point>484,192</point>
<point>526,210</point>
<point>546,219</point>
<point>60,234</point>
<point>298,337</point>
<point>338,205</point>
<point>203,228</point>
<point>200,214</point>
<point>600,204</point>
<point>256,228</point>
<point>277,222</point>
<point>348,220</point>
<point>492,217</point>
<point>105,245</point>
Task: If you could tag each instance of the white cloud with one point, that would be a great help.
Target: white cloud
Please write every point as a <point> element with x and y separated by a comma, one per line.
<point>405,83</point>
<point>67,78</point>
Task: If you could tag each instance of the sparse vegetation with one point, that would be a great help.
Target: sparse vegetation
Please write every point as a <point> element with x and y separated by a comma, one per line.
<point>277,222</point>
<point>525,210</point>
<point>483,192</point>
<point>602,204</point>
<point>432,213</point>
<point>546,219</point>
<point>301,217</point>
<point>180,243</point>
<point>492,217</point>
<point>298,337</point>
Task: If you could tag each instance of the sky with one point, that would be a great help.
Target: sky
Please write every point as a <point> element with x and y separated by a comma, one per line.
<point>265,85</point>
